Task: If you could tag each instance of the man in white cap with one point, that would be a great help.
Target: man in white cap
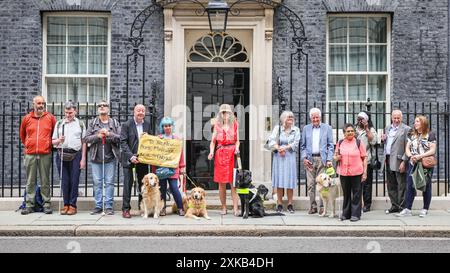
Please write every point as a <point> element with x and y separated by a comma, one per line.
<point>368,135</point>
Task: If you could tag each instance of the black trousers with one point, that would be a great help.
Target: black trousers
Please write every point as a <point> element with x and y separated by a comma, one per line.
<point>141,171</point>
<point>367,188</point>
<point>351,187</point>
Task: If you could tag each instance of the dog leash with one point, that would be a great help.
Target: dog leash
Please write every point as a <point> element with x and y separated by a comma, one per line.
<point>190,180</point>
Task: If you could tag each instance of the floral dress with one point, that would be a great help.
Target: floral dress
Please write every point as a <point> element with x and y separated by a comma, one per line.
<point>224,155</point>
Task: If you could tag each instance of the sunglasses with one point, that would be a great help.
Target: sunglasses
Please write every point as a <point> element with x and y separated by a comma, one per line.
<point>103,105</point>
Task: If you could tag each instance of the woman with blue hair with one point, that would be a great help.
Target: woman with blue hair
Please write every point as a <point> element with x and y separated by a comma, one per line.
<point>166,128</point>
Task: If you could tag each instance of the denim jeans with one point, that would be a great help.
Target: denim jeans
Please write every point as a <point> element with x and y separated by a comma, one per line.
<point>97,173</point>
<point>411,191</point>
<point>173,184</point>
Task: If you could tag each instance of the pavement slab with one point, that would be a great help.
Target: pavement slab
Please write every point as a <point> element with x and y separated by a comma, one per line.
<point>374,223</point>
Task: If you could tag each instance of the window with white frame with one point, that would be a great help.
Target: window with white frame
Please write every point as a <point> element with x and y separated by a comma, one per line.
<point>357,66</point>
<point>76,57</point>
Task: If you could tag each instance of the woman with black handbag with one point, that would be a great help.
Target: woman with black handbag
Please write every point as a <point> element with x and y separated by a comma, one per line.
<point>366,133</point>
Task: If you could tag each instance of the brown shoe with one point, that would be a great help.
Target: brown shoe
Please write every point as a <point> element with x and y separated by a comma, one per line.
<point>312,210</point>
<point>72,210</point>
<point>64,210</point>
<point>321,210</point>
<point>126,214</point>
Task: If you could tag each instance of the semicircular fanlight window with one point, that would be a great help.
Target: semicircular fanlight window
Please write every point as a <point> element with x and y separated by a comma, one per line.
<point>218,47</point>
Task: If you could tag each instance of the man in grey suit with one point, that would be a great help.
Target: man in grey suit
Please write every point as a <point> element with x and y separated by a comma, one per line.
<point>395,138</point>
<point>317,149</point>
<point>129,142</point>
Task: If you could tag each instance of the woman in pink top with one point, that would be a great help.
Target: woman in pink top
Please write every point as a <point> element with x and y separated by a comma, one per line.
<point>351,158</point>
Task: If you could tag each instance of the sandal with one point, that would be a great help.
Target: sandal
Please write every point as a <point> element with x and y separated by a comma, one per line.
<point>237,213</point>
<point>223,212</point>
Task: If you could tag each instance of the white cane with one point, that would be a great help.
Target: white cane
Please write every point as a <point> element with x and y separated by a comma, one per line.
<point>61,172</point>
<point>103,175</point>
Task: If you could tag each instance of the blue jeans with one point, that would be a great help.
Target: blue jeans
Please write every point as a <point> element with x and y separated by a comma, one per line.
<point>173,184</point>
<point>70,179</point>
<point>411,191</point>
<point>97,173</point>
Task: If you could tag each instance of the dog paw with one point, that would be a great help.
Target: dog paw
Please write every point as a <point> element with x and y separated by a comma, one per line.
<point>208,218</point>
<point>196,218</point>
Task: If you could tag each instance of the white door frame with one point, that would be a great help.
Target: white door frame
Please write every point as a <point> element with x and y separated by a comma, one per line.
<point>253,31</point>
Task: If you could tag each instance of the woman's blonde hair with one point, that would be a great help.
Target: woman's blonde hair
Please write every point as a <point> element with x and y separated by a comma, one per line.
<point>285,115</point>
<point>230,120</point>
<point>424,124</point>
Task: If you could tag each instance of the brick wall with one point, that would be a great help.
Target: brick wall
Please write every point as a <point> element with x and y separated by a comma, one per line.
<point>419,46</point>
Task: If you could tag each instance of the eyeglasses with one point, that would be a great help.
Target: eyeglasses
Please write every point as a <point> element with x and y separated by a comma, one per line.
<point>103,105</point>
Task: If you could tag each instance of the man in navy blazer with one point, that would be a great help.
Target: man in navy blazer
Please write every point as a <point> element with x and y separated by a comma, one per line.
<point>129,143</point>
<point>317,149</point>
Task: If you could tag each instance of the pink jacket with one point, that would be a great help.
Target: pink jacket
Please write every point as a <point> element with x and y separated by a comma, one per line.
<point>352,162</point>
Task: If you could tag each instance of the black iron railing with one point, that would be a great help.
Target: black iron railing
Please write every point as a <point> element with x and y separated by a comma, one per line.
<point>12,172</point>
<point>437,114</point>
<point>13,177</point>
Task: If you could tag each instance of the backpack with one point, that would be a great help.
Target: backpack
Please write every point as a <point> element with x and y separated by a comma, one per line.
<point>38,201</point>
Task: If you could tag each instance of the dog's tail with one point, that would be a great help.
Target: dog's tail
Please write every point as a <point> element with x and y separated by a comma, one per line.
<point>274,214</point>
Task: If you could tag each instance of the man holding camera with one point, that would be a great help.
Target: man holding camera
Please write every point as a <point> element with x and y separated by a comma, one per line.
<point>367,135</point>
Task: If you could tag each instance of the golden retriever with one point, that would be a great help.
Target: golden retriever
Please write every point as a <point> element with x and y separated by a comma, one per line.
<point>328,191</point>
<point>196,204</point>
<point>151,196</point>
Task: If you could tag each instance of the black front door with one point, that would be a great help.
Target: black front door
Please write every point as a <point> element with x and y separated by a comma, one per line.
<point>207,88</point>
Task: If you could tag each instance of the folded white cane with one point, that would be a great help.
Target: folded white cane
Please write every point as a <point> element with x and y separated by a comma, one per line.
<point>61,172</point>
<point>103,175</point>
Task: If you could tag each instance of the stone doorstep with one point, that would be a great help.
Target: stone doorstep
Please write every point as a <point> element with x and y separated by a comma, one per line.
<point>300,203</point>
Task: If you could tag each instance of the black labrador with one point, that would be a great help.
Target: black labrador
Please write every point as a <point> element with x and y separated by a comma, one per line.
<point>252,199</point>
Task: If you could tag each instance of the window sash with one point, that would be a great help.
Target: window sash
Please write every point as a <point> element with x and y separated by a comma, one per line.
<point>364,72</point>
<point>76,65</point>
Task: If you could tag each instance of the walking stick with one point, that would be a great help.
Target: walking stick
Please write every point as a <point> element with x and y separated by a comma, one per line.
<point>103,171</point>
<point>61,172</point>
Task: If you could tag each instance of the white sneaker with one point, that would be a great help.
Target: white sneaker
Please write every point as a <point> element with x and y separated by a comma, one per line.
<point>404,212</point>
<point>423,213</point>
<point>274,197</point>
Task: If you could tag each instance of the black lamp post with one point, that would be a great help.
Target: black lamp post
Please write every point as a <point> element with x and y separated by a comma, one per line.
<point>217,15</point>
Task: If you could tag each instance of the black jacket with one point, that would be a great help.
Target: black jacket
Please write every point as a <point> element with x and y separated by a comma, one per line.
<point>129,140</point>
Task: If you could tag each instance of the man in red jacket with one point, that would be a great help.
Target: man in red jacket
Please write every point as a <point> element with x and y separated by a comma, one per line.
<point>36,132</point>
